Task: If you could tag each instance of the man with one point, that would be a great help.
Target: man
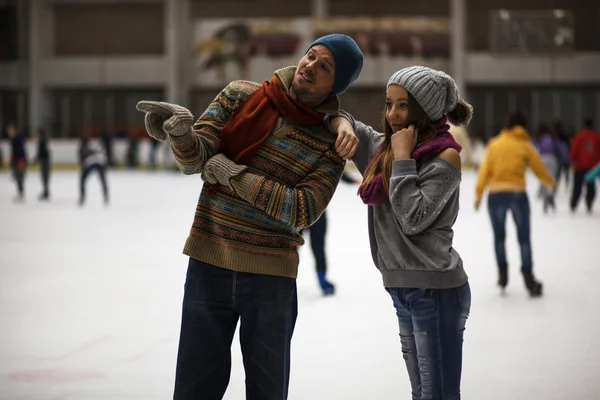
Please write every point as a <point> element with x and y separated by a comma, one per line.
<point>18,160</point>
<point>318,232</point>
<point>91,158</point>
<point>270,168</point>
<point>43,158</point>
<point>585,154</point>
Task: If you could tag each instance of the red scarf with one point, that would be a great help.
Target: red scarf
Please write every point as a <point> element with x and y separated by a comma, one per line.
<point>253,121</point>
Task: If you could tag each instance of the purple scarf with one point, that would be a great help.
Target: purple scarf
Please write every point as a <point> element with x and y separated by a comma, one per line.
<point>375,193</point>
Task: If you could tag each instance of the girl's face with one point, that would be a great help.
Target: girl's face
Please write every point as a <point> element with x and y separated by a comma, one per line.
<point>396,107</point>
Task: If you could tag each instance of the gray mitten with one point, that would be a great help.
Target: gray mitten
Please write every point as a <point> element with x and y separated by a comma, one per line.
<point>163,119</point>
<point>220,169</point>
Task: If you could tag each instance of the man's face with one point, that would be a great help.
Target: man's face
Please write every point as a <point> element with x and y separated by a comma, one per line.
<point>315,76</point>
<point>12,131</point>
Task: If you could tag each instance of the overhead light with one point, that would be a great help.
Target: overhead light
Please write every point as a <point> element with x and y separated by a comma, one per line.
<point>504,14</point>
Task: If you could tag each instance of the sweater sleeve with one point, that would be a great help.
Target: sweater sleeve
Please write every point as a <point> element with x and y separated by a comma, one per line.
<point>483,175</point>
<point>537,166</point>
<point>592,174</point>
<point>417,201</point>
<point>299,206</point>
<point>574,151</point>
<point>368,139</point>
<point>193,149</point>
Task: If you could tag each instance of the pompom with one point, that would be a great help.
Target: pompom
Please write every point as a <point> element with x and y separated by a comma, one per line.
<point>462,113</point>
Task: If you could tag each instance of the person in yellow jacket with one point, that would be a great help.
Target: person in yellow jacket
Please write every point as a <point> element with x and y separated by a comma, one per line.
<point>502,171</point>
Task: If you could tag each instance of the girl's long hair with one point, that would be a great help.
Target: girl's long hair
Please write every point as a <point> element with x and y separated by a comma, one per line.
<point>382,161</point>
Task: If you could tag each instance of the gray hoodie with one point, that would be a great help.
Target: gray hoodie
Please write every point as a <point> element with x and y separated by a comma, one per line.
<point>411,233</point>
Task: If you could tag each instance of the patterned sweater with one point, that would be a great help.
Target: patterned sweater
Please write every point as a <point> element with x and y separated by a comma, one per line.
<point>288,185</point>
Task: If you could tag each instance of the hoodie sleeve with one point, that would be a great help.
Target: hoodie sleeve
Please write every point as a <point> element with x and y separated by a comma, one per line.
<point>483,176</point>
<point>537,166</point>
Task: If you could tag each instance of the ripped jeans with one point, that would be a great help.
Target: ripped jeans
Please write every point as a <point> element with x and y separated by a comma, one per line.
<point>432,322</point>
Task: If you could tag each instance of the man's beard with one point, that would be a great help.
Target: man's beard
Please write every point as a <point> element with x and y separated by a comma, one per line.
<point>307,98</point>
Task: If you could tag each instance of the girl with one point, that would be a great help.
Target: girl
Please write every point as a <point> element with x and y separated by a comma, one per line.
<point>411,176</point>
<point>553,155</point>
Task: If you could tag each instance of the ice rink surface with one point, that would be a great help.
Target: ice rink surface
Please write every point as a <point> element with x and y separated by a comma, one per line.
<point>90,299</point>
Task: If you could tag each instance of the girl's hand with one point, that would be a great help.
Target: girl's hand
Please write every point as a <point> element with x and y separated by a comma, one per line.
<point>404,142</point>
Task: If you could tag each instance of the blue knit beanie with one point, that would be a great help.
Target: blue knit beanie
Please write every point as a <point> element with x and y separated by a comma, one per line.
<point>348,59</point>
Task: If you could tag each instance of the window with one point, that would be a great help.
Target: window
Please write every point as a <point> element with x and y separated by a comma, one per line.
<point>92,111</point>
<point>8,31</point>
<point>569,105</point>
<point>13,110</point>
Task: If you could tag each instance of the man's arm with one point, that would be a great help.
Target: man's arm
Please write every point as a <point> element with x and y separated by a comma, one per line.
<point>299,206</point>
<point>368,138</point>
<point>202,140</point>
<point>574,151</point>
<point>194,143</point>
<point>592,174</point>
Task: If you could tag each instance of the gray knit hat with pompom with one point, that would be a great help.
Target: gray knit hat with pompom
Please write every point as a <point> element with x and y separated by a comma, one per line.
<point>436,93</point>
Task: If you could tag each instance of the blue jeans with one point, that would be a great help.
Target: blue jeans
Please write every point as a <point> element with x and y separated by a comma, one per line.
<point>85,173</point>
<point>518,204</point>
<point>432,323</point>
<point>590,190</point>
<point>318,231</point>
<point>215,299</point>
